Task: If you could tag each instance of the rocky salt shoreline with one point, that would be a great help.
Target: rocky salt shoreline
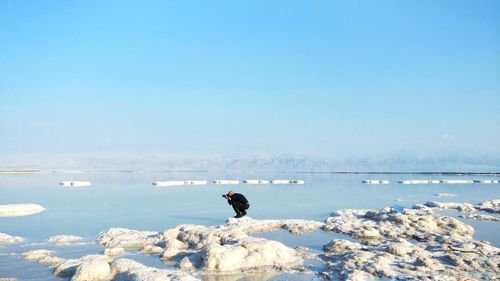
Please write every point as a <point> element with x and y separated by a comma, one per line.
<point>416,244</point>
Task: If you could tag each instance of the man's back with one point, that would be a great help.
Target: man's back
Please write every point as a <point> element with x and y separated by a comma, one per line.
<point>239,198</point>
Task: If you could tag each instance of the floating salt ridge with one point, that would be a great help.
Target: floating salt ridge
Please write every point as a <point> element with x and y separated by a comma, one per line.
<point>457,181</point>
<point>486,181</point>
<point>448,181</point>
<point>256,182</point>
<point>177,183</point>
<point>287,182</point>
<point>224,182</point>
<point>432,181</point>
<point>75,183</point>
<point>376,181</point>
<point>420,181</point>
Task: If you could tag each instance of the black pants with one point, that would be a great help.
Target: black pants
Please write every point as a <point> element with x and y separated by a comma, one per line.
<point>240,208</point>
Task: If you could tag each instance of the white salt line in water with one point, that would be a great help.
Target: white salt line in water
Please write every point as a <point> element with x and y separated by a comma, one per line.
<point>376,181</point>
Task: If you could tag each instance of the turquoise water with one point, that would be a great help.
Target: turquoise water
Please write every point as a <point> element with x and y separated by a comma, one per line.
<point>129,200</point>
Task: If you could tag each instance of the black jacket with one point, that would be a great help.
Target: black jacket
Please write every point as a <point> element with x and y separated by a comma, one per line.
<point>237,198</point>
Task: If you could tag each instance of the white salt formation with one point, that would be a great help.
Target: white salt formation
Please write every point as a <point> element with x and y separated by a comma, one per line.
<point>413,245</point>
<point>64,239</point>
<point>15,210</point>
<point>376,181</point>
<point>195,182</point>
<point>6,239</point>
<point>480,217</point>
<point>441,248</point>
<point>114,252</point>
<point>221,249</point>
<point>226,181</point>
<point>168,183</point>
<point>75,183</point>
<point>486,181</point>
<point>444,194</point>
<point>256,182</point>
<point>420,181</point>
<point>280,182</point>
<point>129,270</point>
<point>178,183</point>
<point>490,206</point>
<point>462,207</point>
<point>457,181</point>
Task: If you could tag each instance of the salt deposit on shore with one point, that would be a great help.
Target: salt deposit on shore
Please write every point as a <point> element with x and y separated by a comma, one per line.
<point>6,239</point>
<point>491,206</point>
<point>442,247</point>
<point>415,244</point>
<point>15,210</point>
<point>481,217</point>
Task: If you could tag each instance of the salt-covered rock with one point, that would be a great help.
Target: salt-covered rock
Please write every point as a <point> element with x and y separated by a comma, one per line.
<point>93,268</point>
<point>64,239</point>
<point>129,270</point>
<point>443,247</point>
<point>36,255</point>
<point>185,263</point>
<point>152,250</point>
<point>249,225</point>
<point>249,253</point>
<point>15,210</point>
<point>491,206</point>
<point>400,249</point>
<point>169,252</point>
<point>114,252</point>
<point>126,238</point>
<point>44,257</point>
<point>369,233</point>
<point>341,245</point>
<point>462,207</point>
<point>67,268</point>
<point>359,275</point>
<point>481,217</point>
<point>6,239</point>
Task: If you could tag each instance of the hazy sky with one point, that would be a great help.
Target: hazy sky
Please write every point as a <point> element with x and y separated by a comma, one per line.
<point>201,78</point>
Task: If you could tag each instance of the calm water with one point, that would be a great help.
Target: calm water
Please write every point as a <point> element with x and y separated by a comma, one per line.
<point>129,200</point>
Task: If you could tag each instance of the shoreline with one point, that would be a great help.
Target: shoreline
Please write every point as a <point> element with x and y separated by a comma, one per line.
<point>72,171</point>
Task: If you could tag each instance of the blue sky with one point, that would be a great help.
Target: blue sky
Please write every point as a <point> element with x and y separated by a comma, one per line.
<point>237,78</point>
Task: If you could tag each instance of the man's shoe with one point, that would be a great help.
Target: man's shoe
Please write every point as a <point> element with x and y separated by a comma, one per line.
<point>238,216</point>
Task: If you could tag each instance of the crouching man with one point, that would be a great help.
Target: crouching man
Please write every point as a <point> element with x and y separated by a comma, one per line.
<point>239,202</point>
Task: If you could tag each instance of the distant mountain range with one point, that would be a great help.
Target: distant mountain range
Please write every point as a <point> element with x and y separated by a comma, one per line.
<point>271,163</point>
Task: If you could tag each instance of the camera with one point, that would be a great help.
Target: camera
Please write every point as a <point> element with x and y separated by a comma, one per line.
<point>225,196</point>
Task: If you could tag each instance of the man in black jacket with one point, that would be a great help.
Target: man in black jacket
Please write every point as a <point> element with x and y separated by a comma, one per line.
<point>239,202</point>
